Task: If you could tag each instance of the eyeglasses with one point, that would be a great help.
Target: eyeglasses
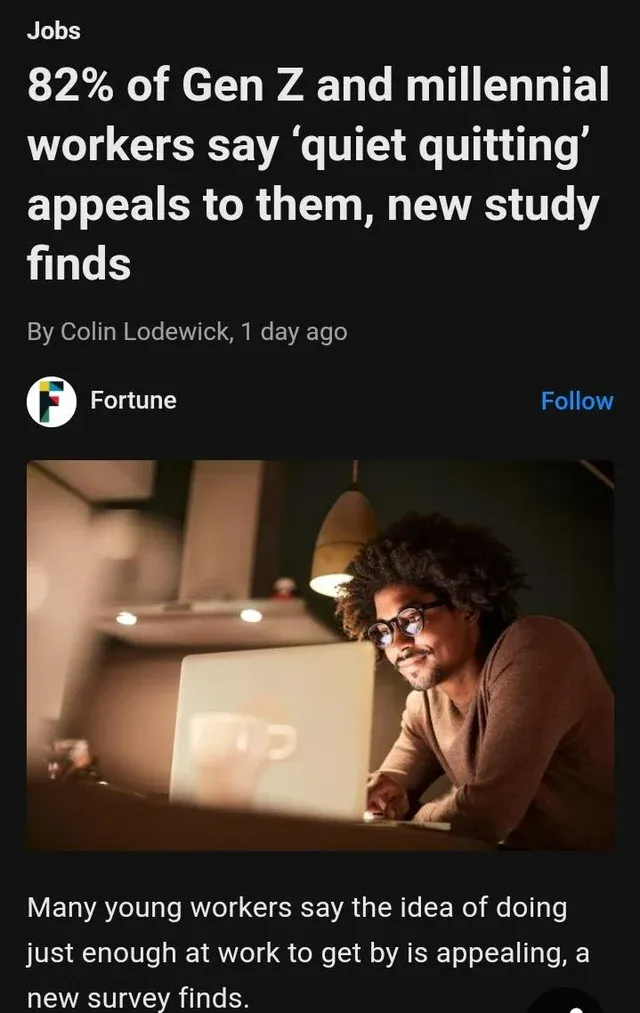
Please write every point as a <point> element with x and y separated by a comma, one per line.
<point>410,621</point>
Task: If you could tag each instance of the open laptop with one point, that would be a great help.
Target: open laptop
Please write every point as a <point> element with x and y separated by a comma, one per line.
<point>285,729</point>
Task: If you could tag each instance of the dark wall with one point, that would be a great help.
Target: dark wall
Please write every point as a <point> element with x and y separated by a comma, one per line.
<point>555,516</point>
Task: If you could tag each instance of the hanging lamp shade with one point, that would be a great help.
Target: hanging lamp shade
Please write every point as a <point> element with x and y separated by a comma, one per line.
<point>347,527</point>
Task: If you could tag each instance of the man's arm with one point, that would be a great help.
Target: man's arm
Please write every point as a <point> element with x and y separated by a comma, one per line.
<point>411,761</point>
<point>536,694</point>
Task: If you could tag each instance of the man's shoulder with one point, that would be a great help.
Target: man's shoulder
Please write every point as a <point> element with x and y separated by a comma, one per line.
<point>534,627</point>
<point>543,637</point>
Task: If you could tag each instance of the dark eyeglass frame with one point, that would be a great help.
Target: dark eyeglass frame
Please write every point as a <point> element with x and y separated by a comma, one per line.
<point>397,622</point>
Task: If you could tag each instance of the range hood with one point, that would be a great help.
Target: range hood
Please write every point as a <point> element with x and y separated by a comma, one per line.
<point>227,567</point>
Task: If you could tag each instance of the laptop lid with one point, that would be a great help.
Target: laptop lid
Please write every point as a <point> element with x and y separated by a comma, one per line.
<point>285,729</point>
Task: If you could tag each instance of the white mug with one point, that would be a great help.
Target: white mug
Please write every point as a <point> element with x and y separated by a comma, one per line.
<point>231,752</point>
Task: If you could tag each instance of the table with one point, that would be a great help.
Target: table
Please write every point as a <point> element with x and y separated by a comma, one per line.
<point>77,817</point>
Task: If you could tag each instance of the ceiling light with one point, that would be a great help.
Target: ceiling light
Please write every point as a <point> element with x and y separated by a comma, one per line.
<point>329,584</point>
<point>126,619</point>
<point>251,615</point>
<point>348,526</point>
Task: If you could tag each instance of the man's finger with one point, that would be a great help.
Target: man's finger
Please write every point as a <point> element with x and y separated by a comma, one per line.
<point>376,808</point>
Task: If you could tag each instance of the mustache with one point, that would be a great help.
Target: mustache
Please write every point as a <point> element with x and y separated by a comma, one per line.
<point>411,653</point>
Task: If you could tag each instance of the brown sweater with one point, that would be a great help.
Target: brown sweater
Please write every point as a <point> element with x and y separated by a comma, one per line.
<point>531,761</point>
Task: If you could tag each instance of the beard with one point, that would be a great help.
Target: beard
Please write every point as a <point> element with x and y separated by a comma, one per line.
<point>426,674</point>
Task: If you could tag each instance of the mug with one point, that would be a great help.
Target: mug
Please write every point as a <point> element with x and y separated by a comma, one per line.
<point>231,752</point>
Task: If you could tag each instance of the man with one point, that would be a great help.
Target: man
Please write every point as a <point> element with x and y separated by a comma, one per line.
<point>515,711</point>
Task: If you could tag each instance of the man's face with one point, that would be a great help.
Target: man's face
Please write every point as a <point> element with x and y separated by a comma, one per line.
<point>447,641</point>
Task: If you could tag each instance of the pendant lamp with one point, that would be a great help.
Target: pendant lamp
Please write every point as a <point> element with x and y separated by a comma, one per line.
<point>347,527</point>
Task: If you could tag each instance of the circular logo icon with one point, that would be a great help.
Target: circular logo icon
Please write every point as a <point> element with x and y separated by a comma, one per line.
<point>565,1000</point>
<point>51,401</point>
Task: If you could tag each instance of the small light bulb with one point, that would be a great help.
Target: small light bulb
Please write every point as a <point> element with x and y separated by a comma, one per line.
<point>329,584</point>
<point>126,619</point>
<point>251,615</point>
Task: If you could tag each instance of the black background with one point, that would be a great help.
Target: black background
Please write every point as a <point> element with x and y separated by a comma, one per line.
<point>583,880</point>
<point>454,323</point>
<point>454,329</point>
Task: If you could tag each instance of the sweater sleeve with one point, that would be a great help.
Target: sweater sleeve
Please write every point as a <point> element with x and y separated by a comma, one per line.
<point>411,761</point>
<point>536,694</point>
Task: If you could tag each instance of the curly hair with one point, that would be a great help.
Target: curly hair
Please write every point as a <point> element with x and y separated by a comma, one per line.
<point>462,564</point>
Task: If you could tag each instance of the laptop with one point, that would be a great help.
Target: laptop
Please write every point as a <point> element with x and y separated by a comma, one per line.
<point>281,729</point>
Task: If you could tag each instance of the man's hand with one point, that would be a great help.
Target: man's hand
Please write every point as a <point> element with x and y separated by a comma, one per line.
<point>386,797</point>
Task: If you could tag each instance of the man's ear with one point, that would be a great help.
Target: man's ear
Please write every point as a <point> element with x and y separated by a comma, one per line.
<point>472,616</point>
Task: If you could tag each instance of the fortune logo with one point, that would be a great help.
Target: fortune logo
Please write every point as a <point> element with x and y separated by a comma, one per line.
<point>51,401</point>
